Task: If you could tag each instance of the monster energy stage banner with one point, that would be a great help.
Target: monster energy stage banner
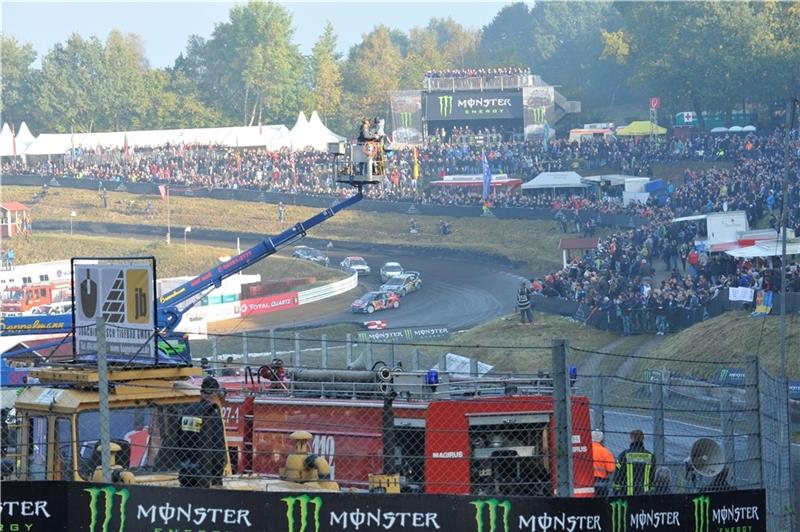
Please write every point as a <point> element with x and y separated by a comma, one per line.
<point>84,507</point>
<point>473,105</point>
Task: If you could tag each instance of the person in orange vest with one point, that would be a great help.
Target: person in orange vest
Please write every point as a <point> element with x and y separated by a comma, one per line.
<point>604,465</point>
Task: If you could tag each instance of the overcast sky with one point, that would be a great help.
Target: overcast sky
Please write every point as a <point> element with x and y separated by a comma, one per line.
<point>166,26</point>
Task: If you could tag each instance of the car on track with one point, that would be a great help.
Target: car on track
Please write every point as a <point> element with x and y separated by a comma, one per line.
<point>311,254</point>
<point>355,264</point>
<point>389,270</point>
<point>372,301</point>
<point>404,283</point>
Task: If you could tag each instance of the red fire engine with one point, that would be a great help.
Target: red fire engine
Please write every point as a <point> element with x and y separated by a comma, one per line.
<point>22,299</point>
<point>481,436</point>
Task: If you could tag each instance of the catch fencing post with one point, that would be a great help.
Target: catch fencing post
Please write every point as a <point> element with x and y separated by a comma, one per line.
<point>657,388</point>
<point>726,418</point>
<point>324,352</point>
<point>392,360</point>
<point>245,349</point>
<point>105,420</point>
<point>562,414</point>
<point>370,358</point>
<point>599,402</point>
<point>272,344</point>
<point>755,471</point>
<point>215,354</point>
<point>349,348</point>
<point>415,359</point>
<point>296,361</point>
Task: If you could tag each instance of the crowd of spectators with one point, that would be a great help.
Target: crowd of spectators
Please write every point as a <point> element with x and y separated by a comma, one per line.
<point>619,275</point>
<point>654,272</point>
<point>485,73</point>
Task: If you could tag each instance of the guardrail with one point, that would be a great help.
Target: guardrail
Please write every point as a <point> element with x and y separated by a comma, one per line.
<point>319,293</point>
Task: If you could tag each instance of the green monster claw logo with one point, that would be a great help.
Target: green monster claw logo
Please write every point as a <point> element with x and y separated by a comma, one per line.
<point>302,501</point>
<point>702,508</point>
<point>538,114</point>
<point>108,513</point>
<point>445,106</point>
<point>405,119</point>
<point>492,505</point>
<point>619,516</point>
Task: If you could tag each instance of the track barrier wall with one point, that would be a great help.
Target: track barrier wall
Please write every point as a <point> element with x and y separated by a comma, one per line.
<point>74,506</point>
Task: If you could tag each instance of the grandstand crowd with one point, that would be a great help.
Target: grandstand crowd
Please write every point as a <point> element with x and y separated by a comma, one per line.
<point>619,275</point>
<point>485,73</point>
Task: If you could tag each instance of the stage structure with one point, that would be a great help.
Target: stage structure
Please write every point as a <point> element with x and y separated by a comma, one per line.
<point>518,105</point>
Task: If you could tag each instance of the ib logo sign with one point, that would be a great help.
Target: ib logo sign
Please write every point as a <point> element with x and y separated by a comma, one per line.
<point>297,520</point>
<point>100,521</point>
<point>492,515</point>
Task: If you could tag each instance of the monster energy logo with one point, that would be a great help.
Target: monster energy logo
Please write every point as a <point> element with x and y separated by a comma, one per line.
<point>445,106</point>
<point>702,510</point>
<point>302,501</point>
<point>492,505</point>
<point>538,114</point>
<point>619,516</point>
<point>108,513</point>
<point>405,119</point>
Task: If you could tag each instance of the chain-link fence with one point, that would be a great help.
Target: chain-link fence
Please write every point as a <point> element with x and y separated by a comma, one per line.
<point>416,418</point>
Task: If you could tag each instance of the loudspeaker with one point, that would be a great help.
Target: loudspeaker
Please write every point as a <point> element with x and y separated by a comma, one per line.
<point>706,457</point>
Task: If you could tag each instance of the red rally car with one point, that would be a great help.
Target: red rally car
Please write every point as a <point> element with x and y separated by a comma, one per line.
<point>372,301</point>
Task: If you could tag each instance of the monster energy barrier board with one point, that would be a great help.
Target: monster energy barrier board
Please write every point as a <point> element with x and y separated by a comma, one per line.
<point>473,105</point>
<point>83,507</point>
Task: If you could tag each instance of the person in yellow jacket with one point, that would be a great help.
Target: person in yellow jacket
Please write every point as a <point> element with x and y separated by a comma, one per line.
<point>604,465</point>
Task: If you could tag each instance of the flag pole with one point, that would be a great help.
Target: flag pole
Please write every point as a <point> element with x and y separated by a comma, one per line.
<point>169,226</point>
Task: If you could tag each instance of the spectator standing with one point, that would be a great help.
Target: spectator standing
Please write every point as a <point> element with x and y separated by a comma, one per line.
<point>604,465</point>
<point>635,467</point>
<point>281,214</point>
<point>524,304</point>
<point>662,481</point>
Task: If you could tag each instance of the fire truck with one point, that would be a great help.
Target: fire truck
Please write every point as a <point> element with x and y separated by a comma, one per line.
<point>23,299</point>
<point>393,430</point>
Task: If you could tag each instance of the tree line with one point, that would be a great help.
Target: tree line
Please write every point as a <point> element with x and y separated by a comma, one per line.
<point>715,56</point>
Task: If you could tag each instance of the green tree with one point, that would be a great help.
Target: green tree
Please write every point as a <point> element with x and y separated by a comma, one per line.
<point>508,39</point>
<point>16,82</point>
<point>373,69</point>
<point>71,88</point>
<point>326,76</point>
<point>124,76</point>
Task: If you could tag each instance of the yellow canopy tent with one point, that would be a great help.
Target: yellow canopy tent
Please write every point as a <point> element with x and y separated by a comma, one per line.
<point>640,128</point>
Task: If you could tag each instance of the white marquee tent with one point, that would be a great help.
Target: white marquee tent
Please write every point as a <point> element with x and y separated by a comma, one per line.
<point>24,137</point>
<point>6,141</point>
<point>553,180</point>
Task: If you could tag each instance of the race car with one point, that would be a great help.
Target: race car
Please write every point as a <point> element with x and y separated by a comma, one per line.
<point>355,264</point>
<point>307,253</point>
<point>402,284</point>
<point>372,301</point>
<point>389,270</point>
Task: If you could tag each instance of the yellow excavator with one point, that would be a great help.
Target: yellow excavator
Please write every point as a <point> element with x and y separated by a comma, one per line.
<point>57,432</point>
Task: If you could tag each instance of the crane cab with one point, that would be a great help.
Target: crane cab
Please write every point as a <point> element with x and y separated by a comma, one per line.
<point>364,160</point>
<point>58,422</point>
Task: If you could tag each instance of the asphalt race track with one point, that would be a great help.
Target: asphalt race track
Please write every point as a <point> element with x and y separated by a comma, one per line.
<point>455,292</point>
<point>459,290</point>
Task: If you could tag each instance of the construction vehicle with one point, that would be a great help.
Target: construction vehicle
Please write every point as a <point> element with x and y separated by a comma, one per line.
<point>394,430</point>
<point>58,419</point>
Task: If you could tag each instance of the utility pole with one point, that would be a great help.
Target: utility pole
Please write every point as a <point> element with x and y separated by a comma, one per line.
<point>105,420</point>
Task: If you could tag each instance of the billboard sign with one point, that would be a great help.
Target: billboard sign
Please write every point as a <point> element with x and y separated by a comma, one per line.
<point>124,296</point>
<point>473,105</point>
<point>267,304</point>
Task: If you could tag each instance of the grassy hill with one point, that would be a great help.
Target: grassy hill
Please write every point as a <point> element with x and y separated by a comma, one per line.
<point>532,242</point>
<point>171,261</point>
<point>730,338</point>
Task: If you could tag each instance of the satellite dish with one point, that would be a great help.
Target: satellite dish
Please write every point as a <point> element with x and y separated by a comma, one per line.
<point>706,457</point>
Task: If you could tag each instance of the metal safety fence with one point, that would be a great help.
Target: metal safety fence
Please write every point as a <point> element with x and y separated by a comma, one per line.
<point>308,412</point>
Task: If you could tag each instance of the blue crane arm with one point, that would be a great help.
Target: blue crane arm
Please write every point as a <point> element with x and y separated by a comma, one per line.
<point>173,304</point>
<point>44,324</point>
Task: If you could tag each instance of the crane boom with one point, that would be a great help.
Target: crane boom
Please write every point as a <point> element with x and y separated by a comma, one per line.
<point>173,304</point>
